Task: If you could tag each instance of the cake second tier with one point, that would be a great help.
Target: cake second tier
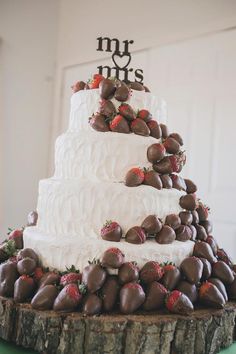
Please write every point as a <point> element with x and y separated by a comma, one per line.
<point>100,156</point>
<point>79,208</point>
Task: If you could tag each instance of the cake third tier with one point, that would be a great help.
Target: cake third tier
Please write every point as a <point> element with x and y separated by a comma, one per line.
<point>79,208</point>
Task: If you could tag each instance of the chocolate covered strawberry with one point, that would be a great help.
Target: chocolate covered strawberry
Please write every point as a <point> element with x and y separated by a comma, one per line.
<point>98,123</point>
<point>110,292</point>
<point>112,258</point>
<point>107,108</point>
<point>151,271</point>
<point>186,217</point>
<point>8,276</point>
<point>145,115</point>
<point>207,224</point>
<point>23,288</point>
<point>193,232</point>
<point>202,249</point>
<point>128,272</point>
<point>203,211</point>
<point>95,81</point>
<point>183,233</point>
<point>122,92</point>
<point>166,235</point>
<point>171,276</point>
<point>132,297</point>
<point>210,295</point>
<point>178,182</point>
<point>170,164</point>
<point>190,186</point>
<point>135,235</point>
<point>155,129</point>
<point>17,236</point>
<point>134,177</point>
<point>177,137</point>
<point>223,256</point>
<point>38,274</point>
<point>212,242</point>
<point>137,86</point>
<point>164,131</point>
<point>220,285</point>
<point>195,217</point>
<point>188,202</point>
<point>155,296</point>
<point>49,278</point>
<point>171,145</point>
<point>151,225</point>
<point>201,233</point>
<point>166,181</point>
<point>119,125</point>
<point>111,231</point>
<point>44,298</point>
<point>192,268</point>
<point>223,272</point>
<point>155,153</point>
<point>94,276</point>
<point>92,305</point>
<point>207,269</point>
<point>27,253</point>
<point>26,266</point>
<point>32,218</point>
<point>107,88</point>
<point>72,275</point>
<point>139,127</point>
<point>190,290</point>
<point>179,303</point>
<point>78,86</point>
<point>173,220</point>
<point>127,111</point>
<point>152,178</point>
<point>68,299</point>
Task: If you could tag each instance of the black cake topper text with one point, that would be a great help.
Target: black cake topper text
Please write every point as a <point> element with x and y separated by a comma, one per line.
<point>121,60</point>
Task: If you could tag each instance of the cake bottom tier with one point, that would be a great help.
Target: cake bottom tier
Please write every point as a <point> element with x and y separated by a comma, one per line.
<point>61,253</point>
<point>205,331</point>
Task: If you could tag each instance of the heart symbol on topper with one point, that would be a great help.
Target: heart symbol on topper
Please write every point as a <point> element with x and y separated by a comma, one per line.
<point>117,56</point>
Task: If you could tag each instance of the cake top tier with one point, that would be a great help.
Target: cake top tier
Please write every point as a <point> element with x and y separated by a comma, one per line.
<point>87,102</point>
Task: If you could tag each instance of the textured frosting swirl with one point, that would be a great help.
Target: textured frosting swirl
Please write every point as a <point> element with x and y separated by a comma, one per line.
<point>85,103</point>
<point>100,156</point>
<point>70,208</point>
<point>63,253</point>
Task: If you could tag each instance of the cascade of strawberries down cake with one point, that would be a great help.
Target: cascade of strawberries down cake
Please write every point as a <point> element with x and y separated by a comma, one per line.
<point>206,278</point>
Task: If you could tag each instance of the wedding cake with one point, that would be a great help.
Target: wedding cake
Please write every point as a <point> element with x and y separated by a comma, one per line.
<point>133,266</point>
<point>88,186</point>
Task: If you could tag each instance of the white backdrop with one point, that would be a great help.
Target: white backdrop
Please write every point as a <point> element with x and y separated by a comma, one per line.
<point>197,78</point>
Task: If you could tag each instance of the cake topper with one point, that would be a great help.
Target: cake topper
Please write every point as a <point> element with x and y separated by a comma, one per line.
<point>121,59</point>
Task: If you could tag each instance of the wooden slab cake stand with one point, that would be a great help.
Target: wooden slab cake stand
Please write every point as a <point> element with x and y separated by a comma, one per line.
<point>205,331</point>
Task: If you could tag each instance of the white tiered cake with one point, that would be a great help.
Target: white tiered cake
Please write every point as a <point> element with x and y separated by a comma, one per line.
<point>88,188</point>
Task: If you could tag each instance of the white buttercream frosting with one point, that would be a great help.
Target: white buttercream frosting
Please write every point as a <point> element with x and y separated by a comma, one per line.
<point>64,252</point>
<point>73,208</point>
<point>100,156</point>
<point>87,190</point>
<point>85,103</point>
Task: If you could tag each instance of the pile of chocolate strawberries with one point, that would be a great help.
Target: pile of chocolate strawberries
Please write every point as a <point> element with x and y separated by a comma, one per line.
<point>187,225</point>
<point>122,119</point>
<point>205,278</point>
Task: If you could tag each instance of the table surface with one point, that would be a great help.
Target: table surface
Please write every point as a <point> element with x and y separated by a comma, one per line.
<point>8,348</point>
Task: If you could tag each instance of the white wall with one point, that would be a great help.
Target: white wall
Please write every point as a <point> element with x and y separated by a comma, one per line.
<point>28,32</point>
<point>187,49</point>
